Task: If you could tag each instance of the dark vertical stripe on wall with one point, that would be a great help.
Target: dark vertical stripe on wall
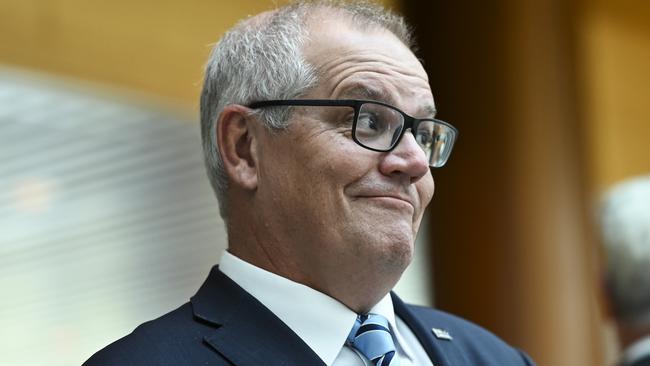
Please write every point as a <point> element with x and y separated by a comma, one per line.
<point>465,57</point>
<point>507,220</point>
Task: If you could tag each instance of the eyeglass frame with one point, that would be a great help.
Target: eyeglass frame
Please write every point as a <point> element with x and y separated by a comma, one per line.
<point>409,121</point>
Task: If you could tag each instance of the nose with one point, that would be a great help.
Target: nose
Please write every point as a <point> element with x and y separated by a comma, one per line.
<point>407,159</point>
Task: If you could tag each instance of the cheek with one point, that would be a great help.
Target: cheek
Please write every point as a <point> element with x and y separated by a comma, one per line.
<point>425,188</point>
<point>334,168</point>
<point>339,159</point>
<point>317,168</point>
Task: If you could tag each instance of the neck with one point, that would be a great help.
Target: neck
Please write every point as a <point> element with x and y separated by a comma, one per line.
<point>357,281</point>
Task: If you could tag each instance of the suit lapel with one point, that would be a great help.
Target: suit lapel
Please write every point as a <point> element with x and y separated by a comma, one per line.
<point>246,333</point>
<point>441,352</point>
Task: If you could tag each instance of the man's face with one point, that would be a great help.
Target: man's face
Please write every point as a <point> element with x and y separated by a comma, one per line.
<point>338,207</point>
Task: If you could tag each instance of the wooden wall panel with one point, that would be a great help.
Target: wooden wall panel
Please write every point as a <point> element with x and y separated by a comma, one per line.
<point>509,223</point>
<point>152,46</point>
<point>158,47</point>
<point>615,59</point>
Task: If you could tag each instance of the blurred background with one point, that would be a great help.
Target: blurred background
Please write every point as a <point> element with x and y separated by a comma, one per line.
<point>107,218</point>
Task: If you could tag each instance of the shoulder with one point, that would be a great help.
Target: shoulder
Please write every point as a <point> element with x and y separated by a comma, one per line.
<point>459,328</point>
<point>175,338</point>
<point>469,341</point>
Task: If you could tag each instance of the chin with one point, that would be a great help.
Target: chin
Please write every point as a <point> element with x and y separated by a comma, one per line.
<point>394,250</point>
<point>402,258</point>
<point>385,243</point>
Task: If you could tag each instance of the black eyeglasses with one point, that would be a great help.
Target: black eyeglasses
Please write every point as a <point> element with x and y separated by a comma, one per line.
<point>379,126</point>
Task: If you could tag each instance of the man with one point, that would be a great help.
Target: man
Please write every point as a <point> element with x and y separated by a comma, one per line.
<point>322,177</point>
<point>625,223</point>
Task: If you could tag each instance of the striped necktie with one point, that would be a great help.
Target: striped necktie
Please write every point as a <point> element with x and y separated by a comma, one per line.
<point>371,336</point>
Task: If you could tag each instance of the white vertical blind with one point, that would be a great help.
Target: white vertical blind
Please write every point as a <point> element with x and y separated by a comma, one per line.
<point>106,219</point>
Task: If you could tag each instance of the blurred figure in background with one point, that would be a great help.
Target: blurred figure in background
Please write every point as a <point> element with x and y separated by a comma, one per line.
<point>625,221</point>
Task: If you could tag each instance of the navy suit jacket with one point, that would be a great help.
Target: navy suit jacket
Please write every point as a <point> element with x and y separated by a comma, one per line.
<point>224,325</point>
<point>643,361</point>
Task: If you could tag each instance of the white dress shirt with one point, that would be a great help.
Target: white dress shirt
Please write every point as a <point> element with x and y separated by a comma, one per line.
<point>320,321</point>
<point>638,349</point>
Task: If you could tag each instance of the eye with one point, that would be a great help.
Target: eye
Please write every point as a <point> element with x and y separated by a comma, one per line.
<point>373,120</point>
<point>424,133</point>
<point>368,122</point>
<point>424,138</point>
<point>378,126</point>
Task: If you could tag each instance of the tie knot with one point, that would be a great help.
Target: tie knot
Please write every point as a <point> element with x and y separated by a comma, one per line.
<point>371,336</point>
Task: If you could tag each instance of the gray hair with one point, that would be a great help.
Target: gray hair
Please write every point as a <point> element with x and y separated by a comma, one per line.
<point>625,222</point>
<point>261,59</point>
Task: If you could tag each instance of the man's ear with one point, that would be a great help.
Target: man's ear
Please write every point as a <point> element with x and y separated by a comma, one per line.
<point>236,136</point>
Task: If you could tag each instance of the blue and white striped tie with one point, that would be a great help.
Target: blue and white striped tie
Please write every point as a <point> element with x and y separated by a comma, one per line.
<point>372,338</point>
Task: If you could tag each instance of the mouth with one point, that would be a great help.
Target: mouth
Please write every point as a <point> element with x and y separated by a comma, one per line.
<point>390,200</point>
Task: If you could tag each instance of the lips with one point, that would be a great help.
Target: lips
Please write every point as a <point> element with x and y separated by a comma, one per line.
<point>385,193</point>
<point>389,197</point>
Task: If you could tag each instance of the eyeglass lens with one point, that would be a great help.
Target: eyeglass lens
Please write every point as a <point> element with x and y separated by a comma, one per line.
<point>379,127</point>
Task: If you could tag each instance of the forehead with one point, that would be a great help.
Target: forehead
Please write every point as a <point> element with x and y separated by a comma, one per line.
<point>363,62</point>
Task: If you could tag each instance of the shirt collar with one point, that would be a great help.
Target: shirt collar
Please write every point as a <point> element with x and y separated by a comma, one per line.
<point>385,308</point>
<point>325,333</point>
<point>637,350</point>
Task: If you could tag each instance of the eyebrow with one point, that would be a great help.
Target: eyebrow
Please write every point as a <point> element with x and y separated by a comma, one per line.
<point>368,93</point>
<point>365,92</point>
<point>429,110</point>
